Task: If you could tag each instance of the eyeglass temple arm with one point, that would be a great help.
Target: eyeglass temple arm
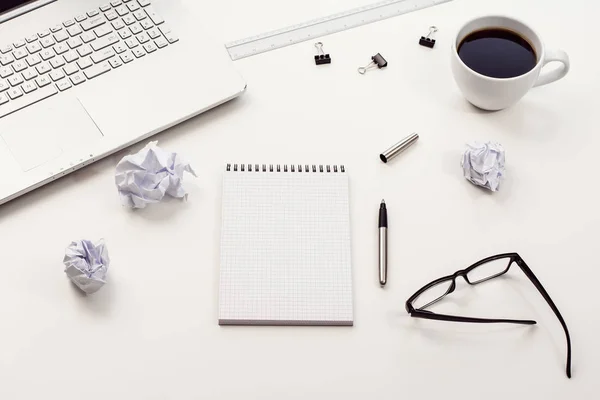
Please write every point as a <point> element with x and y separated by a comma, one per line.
<point>527,271</point>
<point>455,318</point>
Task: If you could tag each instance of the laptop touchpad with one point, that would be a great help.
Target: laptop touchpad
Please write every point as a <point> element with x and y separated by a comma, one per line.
<point>43,132</point>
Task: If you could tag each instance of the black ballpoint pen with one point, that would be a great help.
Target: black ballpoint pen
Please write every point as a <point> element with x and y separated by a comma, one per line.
<point>383,224</point>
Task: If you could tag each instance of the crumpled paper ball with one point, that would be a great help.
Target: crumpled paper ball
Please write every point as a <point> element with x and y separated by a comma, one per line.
<point>483,164</point>
<point>87,264</point>
<point>145,177</point>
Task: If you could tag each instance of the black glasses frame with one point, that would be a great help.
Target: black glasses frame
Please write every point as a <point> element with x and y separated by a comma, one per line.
<point>513,258</point>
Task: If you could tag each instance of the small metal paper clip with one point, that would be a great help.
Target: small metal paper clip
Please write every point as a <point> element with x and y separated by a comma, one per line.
<point>427,41</point>
<point>377,61</point>
<point>321,58</point>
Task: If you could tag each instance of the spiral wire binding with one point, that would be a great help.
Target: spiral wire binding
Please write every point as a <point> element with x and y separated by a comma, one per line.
<point>286,168</point>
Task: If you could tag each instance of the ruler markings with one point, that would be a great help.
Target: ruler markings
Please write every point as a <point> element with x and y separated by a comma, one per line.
<point>334,23</point>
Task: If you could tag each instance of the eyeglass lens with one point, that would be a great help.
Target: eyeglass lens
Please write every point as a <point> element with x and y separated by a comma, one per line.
<point>488,270</point>
<point>433,294</point>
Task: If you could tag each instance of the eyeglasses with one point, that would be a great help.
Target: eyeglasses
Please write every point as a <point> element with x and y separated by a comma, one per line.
<point>481,271</point>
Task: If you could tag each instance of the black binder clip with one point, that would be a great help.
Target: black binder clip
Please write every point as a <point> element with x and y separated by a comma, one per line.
<point>377,61</point>
<point>321,58</point>
<point>427,41</point>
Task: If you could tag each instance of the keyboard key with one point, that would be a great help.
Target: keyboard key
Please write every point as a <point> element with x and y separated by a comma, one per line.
<point>74,42</point>
<point>33,60</point>
<point>4,86</point>
<point>61,36</point>
<point>47,54</point>
<point>15,93</point>
<point>19,43</point>
<point>75,30</point>
<point>5,72</point>
<point>93,13</point>
<point>68,23</point>
<point>57,62</point>
<point>138,52</point>
<point>133,6</point>
<point>146,24</point>
<point>164,29</point>
<point>111,15</point>
<point>47,42</point>
<point>115,3</point>
<point>126,1</point>
<point>63,85</point>
<point>81,17</point>
<point>44,33</point>
<point>43,68</point>
<point>29,74</point>
<point>20,53</point>
<point>125,33</point>
<point>157,19</point>
<point>85,63</point>
<point>84,50</point>
<point>5,49</point>
<point>135,28</point>
<point>15,80</point>
<point>23,102</point>
<point>31,38</point>
<point>71,56</point>
<point>129,19</point>
<point>127,57</point>
<point>43,81</point>
<point>29,87</point>
<point>3,99</point>
<point>115,62</point>
<point>105,42</point>
<point>105,7</point>
<point>153,33</point>
<point>143,3</point>
<point>103,55</point>
<point>19,66</point>
<point>57,75</point>
<point>93,23</point>
<point>142,38</point>
<point>70,69</point>
<point>140,15</point>
<point>56,28</point>
<point>122,11</point>
<point>171,37</point>
<point>88,37</point>
<point>150,47</point>
<point>103,31</point>
<point>61,48</point>
<point>120,47</point>
<point>97,70</point>
<point>118,24</point>
<point>6,59</point>
<point>34,47</point>
<point>131,43</point>
<point>77,78</point>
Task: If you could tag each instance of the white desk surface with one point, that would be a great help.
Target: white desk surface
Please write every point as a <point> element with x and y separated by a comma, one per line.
<point>152,333</point>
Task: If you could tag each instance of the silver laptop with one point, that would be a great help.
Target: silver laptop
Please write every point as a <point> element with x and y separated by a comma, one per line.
<point>81,79</point>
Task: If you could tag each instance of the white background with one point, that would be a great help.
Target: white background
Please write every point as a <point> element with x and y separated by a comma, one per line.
<point>152,333</point>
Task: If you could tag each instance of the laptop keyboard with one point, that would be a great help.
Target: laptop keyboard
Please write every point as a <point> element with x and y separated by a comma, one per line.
<point>83,48</point>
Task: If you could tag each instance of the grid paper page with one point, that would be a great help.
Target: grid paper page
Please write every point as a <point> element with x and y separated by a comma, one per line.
<point>285,249</point>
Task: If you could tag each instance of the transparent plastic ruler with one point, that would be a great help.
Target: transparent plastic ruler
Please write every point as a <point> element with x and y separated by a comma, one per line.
<point>325,26</point>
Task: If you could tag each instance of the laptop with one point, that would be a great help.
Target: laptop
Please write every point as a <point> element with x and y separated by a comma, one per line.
<point>81,79</point>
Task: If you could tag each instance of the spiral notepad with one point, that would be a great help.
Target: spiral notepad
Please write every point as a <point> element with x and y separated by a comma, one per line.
<point>285,246</point>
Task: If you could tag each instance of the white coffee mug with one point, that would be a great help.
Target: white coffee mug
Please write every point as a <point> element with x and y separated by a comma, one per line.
<point>491,93</point>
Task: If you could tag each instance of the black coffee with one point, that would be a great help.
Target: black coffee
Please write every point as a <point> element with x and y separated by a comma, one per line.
<point>498,53</point>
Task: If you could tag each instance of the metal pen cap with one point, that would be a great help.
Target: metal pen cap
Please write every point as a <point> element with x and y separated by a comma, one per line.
<point>398,147</point>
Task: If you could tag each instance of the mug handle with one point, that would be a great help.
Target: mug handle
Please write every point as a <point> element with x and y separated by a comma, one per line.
<point>554,75</point>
